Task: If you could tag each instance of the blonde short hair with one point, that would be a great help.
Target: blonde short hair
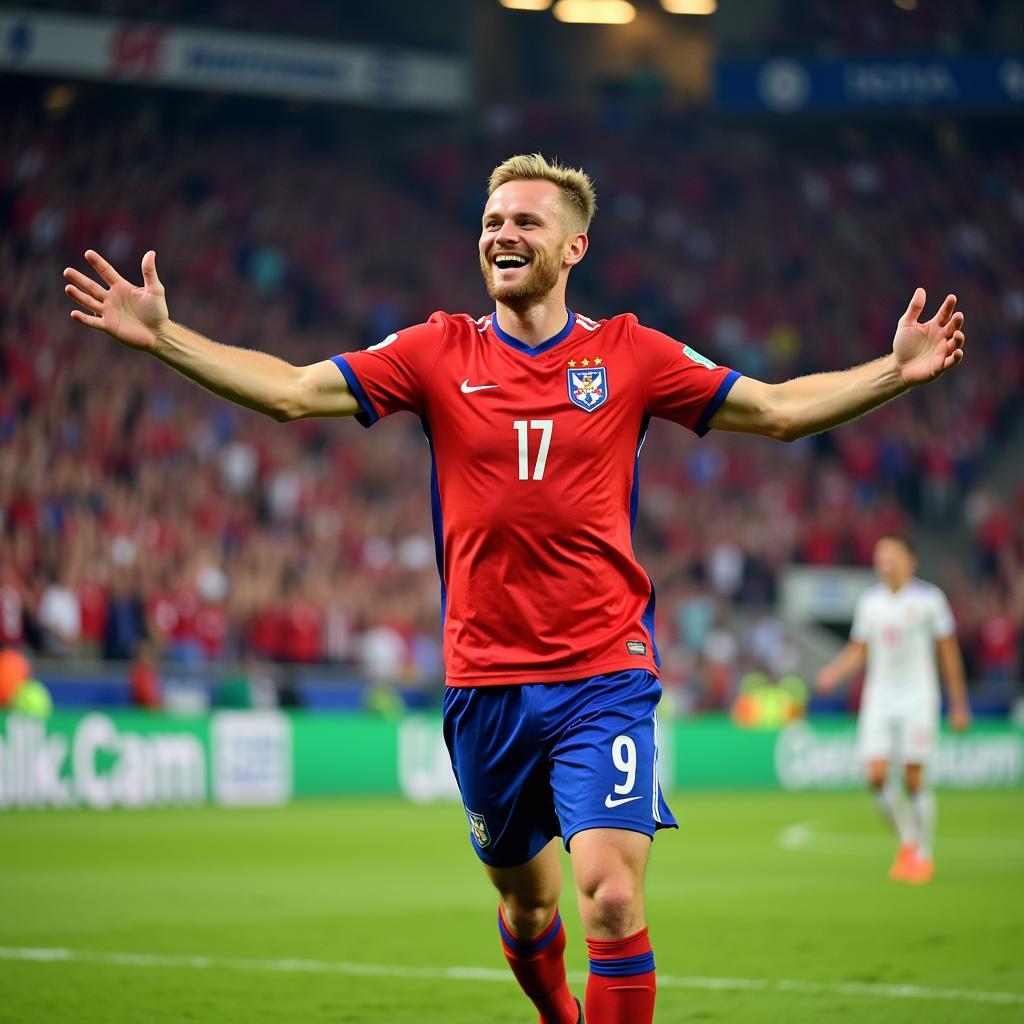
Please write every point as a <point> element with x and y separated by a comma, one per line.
<point>577,189</point>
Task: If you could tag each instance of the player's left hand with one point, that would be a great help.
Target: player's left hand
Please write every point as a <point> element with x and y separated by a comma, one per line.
<point>960,717</point>
<point>923,351</point>
<point>828,679</point>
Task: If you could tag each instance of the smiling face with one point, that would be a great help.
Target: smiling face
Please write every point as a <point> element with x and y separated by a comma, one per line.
<point>526,245</point>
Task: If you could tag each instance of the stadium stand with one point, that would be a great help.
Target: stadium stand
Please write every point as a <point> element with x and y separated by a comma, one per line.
<point>133,504</point>
<point>946,26</point>
<point>420,25</point>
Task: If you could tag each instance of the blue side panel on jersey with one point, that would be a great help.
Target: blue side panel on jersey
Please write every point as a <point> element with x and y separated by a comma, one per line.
<point>437,521</point>
<point>544,345</point>
<point>647,619</point>
<point>648,623</point>
<point>369,415</point>
<point>634,494</point>
<point>715,404</point>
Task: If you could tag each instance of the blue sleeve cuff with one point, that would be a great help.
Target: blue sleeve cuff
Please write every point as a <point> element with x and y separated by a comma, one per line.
<point>368,416</point>
<point>703,424</point>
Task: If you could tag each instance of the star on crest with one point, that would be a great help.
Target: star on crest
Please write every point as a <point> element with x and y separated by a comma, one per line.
<point>597,361</point>
<point>572,364</point>
<point>586,362</point>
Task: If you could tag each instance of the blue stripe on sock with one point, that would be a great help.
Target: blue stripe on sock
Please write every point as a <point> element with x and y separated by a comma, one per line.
<point>527,947</point>
<point>623,966</point>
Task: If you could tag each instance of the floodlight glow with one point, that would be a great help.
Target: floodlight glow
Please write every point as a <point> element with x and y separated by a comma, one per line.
<point>595,12</point>
<point>690,6</point>
<point>526,5</point>
<point>60,97</point>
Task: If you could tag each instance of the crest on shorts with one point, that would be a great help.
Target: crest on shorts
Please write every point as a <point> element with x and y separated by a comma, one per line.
<point>588,386</point>
<point>479,827</point>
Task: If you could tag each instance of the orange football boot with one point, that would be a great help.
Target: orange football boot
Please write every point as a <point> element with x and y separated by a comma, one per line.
<point>922,870</point>
<point>903,864</point>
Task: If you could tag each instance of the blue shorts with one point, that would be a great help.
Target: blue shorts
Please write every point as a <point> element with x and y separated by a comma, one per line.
<point>541,760</point>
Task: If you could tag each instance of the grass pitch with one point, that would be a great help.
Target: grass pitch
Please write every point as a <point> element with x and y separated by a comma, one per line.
<point>763,908</point>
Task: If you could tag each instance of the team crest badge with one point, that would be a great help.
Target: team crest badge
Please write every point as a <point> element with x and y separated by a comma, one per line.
<point>479,827</point>
<point>588,386</point>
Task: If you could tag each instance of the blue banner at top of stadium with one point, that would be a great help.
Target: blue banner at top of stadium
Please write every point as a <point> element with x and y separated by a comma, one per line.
<point>791,85</point>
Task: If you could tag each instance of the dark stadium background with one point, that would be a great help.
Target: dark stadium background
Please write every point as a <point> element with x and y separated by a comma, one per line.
<point>773,181</point>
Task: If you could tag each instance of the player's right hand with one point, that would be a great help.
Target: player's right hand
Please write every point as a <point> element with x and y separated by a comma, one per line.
<point>132,315</point>
<point>960,717</point>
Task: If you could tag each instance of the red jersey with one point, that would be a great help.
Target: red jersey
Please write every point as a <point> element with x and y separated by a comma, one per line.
<point>534,485</point>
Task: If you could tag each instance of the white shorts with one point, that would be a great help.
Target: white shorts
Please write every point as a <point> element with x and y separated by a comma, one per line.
<point>906,735</point>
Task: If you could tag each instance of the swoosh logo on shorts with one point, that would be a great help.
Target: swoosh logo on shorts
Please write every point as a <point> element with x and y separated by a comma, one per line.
<point>609,802</point>
<point>468,389</point>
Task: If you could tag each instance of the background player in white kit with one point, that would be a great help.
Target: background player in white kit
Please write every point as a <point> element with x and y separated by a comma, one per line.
<point>899,626</point>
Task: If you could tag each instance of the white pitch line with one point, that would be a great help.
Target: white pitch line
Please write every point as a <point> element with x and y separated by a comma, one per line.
<point>488,974</point>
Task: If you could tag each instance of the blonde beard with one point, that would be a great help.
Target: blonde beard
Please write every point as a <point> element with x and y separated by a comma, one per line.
<point>532,291</point>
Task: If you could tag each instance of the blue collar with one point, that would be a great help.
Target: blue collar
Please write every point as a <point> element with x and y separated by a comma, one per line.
<point>544,345</point>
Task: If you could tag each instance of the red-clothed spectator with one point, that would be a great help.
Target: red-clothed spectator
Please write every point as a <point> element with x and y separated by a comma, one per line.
<point>144,678</point>
<point>186,604</point>
<point>92,601</point>
<point>265,632</point>
<point>211,627</point>
<point>996,530</point>
<point>162,617</point>
<point>301,636</point>
<point>998,646</point>
<point>821,543</point>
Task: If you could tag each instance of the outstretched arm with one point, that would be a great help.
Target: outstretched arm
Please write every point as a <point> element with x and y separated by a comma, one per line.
<point>849,660</point>
<point>808,405</point>
<point>138,318</point>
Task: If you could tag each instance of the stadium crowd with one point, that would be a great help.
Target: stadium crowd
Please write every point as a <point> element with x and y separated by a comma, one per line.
<point>903,26</point>
<point>134,505</point>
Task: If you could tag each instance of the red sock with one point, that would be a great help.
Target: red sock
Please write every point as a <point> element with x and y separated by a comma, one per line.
<point>621,986</point>
<point>540,970</point>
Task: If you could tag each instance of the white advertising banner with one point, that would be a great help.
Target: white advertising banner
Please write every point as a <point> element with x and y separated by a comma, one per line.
<point>822,593</point>
<point>133,760</point>
<point>252,758</point>
<point>99,764</point>
<point>806,758</point>
<point>105,48</point>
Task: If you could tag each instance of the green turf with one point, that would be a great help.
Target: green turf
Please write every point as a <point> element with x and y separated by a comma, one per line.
<point>382,882</point>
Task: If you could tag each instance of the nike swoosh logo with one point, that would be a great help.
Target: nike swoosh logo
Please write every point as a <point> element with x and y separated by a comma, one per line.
<point>609,802</point>
<point>468,389</point>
